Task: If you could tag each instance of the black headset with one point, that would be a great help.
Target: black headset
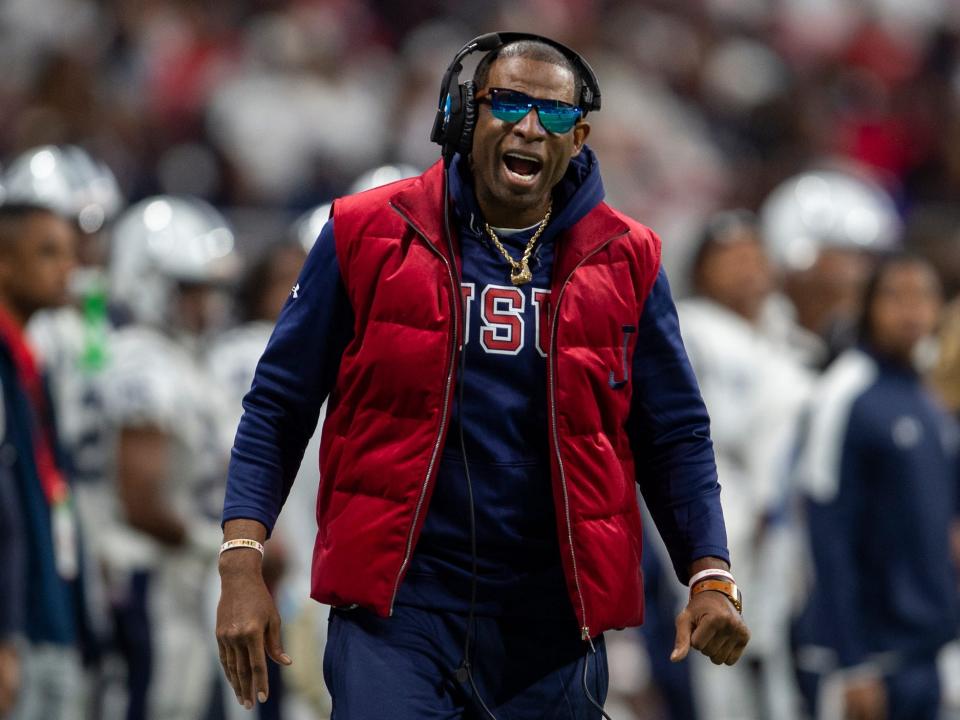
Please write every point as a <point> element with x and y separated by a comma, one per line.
<point>457,110</point>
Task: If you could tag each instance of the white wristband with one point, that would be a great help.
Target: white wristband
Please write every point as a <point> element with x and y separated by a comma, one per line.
<point>241,543</point>
<point>711,572</point>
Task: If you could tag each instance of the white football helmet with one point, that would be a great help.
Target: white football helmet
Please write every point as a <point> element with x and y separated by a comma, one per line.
<point>827,208</point>
<point>165,240</point>
<point>69,181</point>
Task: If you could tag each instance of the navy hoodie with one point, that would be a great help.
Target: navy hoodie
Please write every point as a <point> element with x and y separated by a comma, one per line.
<point>503,417</point>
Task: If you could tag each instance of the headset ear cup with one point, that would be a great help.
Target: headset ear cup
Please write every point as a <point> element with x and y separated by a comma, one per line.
<point>469,109</point>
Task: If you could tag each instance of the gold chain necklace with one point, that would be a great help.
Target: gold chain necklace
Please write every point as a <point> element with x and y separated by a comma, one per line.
<point>520,269</point>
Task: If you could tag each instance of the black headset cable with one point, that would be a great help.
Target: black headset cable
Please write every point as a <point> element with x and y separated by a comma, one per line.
<point>465,671</point>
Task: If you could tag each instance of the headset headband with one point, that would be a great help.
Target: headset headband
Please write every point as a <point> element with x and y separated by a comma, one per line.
<point>453,126</point>
<point>589,99</point>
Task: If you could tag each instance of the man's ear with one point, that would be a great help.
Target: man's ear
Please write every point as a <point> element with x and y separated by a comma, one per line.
<point>581,132</point>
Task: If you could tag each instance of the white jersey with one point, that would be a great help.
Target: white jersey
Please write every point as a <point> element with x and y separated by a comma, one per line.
<point>155,382</point>
<point>159,383</point>
<point>60,338</point>
<point>232,361</point>
<point>754,393</point>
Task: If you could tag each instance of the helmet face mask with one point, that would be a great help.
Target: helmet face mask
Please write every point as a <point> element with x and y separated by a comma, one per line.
<point>166,244</point>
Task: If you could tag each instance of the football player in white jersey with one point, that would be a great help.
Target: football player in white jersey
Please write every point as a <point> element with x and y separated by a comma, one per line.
<point>823,230</point>
<point>755,392</point>
<point>173,433</point>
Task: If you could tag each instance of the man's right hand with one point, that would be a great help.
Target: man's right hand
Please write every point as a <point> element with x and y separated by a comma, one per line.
<point>9,678</point>
<point>248,624</point>
<point>865,699</point>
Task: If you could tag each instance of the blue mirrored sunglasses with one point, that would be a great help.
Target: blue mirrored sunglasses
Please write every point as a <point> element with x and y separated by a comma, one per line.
<point>512,106</point>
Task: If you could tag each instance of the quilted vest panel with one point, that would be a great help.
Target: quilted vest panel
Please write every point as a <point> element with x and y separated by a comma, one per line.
<point>387,416</point>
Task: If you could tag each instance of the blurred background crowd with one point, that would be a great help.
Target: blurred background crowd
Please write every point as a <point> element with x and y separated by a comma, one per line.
<point>788,152</point>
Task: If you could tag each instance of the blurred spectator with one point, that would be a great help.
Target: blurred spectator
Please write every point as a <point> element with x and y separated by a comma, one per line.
<point>42,602</point>
<point>754,394</point>
<point>880,467</point>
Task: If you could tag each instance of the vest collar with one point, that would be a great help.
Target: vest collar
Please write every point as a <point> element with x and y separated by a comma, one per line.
<point>421,204</point>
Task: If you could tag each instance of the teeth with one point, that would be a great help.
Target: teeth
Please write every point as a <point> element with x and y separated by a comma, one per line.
<point>521,156</point>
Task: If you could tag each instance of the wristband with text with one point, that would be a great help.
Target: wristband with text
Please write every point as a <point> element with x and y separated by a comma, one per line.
<point>241,543</point>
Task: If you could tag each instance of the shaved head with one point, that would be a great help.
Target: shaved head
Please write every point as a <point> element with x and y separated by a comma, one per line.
<point>531,50</point>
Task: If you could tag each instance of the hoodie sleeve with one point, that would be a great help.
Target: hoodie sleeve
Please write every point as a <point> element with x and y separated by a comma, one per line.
<point>835,527</point>
<point>670,435</point>
<point>293,378</point>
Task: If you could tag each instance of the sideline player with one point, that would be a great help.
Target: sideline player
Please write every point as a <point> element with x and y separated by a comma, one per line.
<point>172,438</point>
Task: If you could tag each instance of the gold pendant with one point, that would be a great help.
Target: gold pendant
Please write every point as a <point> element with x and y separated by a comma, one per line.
<point>521,276</point>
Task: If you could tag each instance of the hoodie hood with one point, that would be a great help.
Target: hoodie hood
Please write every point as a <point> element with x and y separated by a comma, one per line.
<point>579,191</point>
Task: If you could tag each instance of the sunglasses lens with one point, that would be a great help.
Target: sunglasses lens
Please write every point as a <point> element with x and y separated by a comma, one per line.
<point>510,114</point>
<point>511,107</point>
<point>558,120</point>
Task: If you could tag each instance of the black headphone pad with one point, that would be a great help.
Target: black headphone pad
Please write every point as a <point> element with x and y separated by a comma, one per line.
<point>469,115</point>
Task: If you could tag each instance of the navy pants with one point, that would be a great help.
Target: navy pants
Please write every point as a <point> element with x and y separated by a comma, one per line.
<point>404,668</point>
<point>913,693</point>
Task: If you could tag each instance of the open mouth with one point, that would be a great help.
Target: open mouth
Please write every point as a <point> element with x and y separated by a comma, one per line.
<point>526,167</point>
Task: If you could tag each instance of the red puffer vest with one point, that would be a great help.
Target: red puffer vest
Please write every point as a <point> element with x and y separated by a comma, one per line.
<point>389,412</point>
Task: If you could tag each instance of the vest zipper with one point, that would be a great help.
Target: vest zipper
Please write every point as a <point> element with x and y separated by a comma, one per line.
<point>446,405</point>
<point>585,629</point>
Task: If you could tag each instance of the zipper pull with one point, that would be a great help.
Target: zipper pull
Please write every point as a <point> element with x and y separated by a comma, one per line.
<point>585,635</point>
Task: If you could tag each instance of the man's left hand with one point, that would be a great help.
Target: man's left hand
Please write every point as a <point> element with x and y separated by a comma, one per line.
<point>713,626</point>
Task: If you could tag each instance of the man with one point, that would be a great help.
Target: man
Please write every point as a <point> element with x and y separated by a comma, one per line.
<point>73,343</point>
<point>478,531</point>
<point>168,424</point>
<point>40,602</point>
<point>880,467</point>
<point>755,393</point>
